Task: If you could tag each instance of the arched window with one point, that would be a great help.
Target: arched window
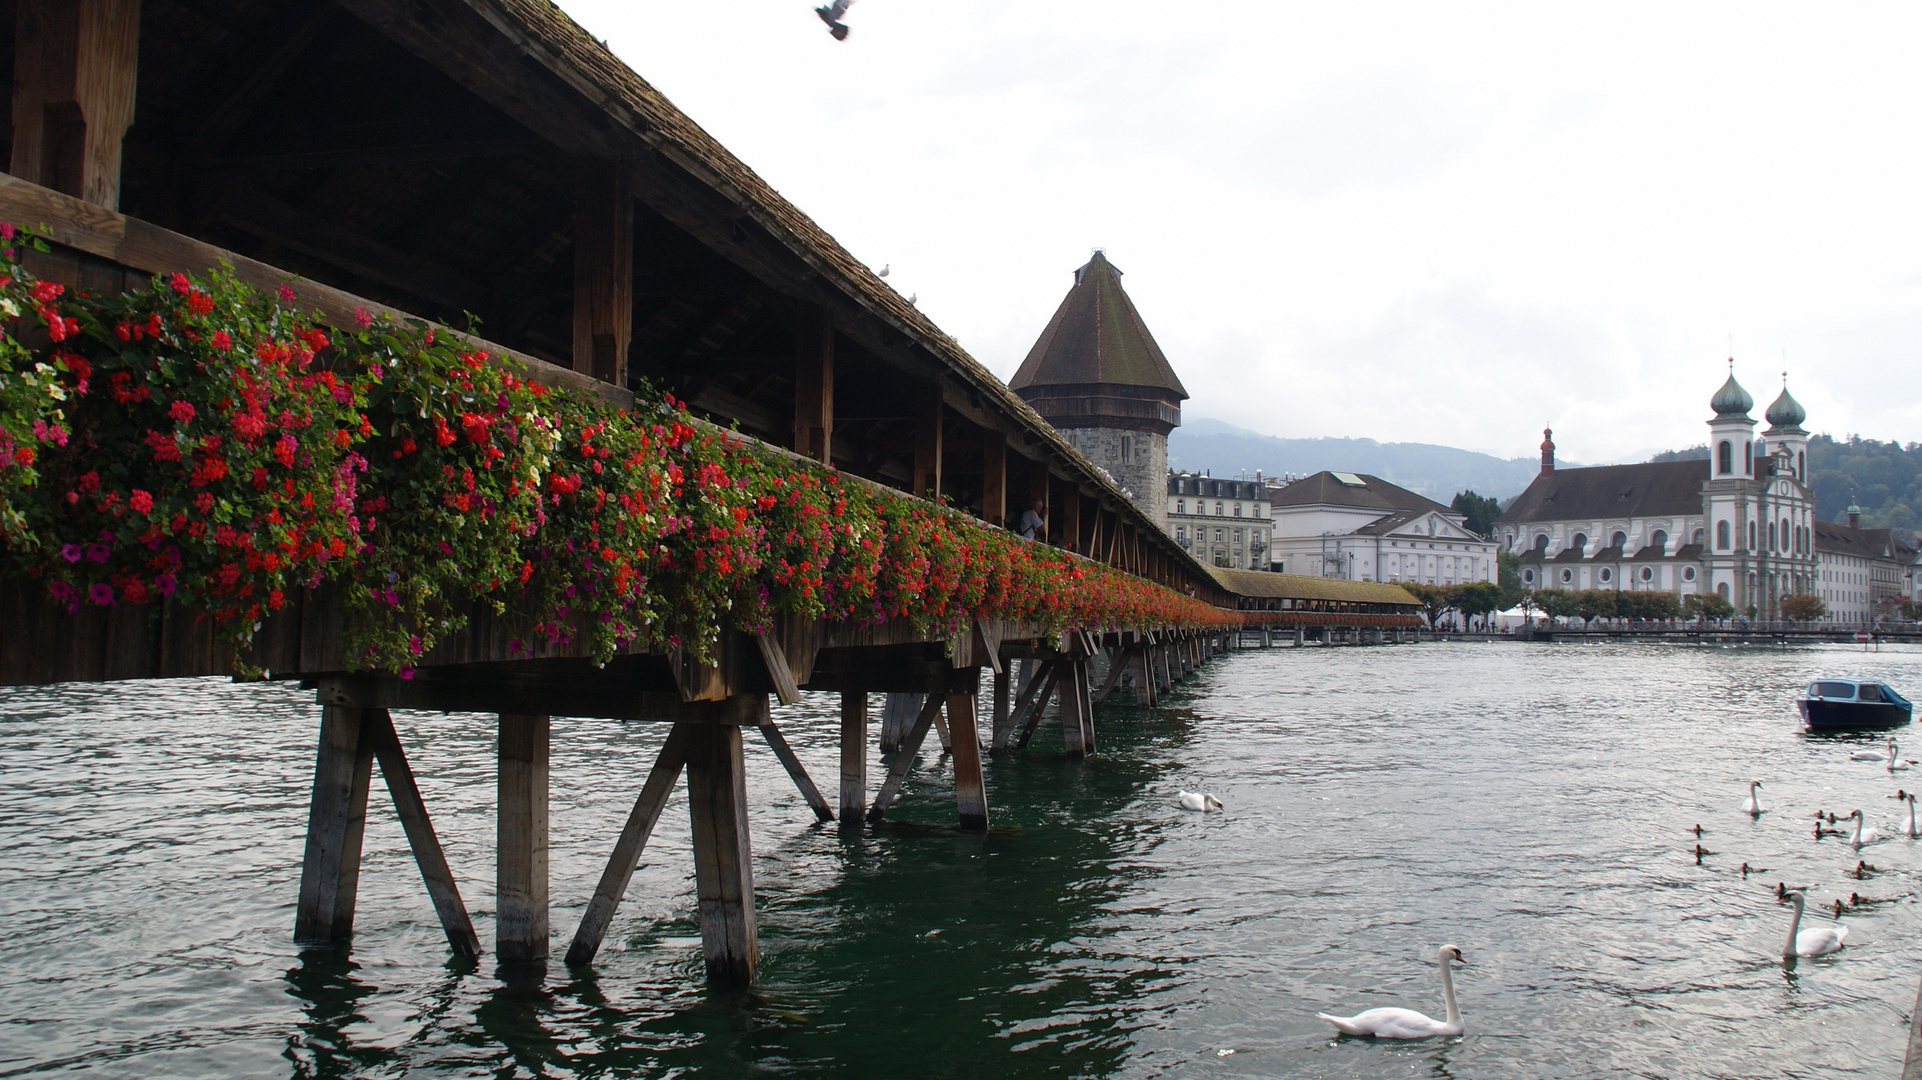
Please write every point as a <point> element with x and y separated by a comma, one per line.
<point>1771,536</point>
<point>1751,536</point>
<point>1541,542</point>
<point>1658,539</point>
<point>1619,540</point>
<point>1578,543</point>
<point>1801,463</point>
<point>1698,538</point>
<point>1721,535</point>
<point>1725,458</point>
<point>1785,532</point>
<point>1748,458</point>
<point>1722,590</point>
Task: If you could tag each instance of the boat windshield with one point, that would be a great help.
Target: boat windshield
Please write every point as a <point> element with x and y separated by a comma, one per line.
<point>1870,692</point>
<point>1889,694</point>
<point>1832,690</point>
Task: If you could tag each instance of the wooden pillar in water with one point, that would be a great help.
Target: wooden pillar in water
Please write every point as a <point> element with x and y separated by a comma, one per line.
<point>1003,699</point>
<point>898,711</point>
<point>520,901</point>
<point>814,386</point>
<point>723,857</point>
<point>75,68</point>
<point>603,271</point>
<point>970,787</point>
<point>336,822</point>
<point>854,757</point>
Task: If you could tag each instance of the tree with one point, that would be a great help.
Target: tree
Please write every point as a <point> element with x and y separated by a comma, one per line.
<point>1508,573</point>
<point>1595,603</point>
<point>1555,603</point>
<point>1480,598</point>
<point>1803,607</point>
<point>1708,606</point>
<point>1434,599</point>
<point>1480,512</point>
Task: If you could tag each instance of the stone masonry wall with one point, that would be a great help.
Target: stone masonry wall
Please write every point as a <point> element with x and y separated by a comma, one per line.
<point>1142,470</point>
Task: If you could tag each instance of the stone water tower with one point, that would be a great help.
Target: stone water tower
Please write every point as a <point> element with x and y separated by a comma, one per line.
<point>1097,375</point>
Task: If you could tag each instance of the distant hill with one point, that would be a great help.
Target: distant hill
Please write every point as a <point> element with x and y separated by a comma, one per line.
<point>1435,471</point>
<point>1884,478</point>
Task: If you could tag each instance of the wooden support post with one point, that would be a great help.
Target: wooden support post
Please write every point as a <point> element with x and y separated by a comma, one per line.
<point>994,478</point>
<point>1163,659</point>
<point>603,271</point>
<point>854,756</point>
<point>1143,676</point>
<point>970,789</point>
<point>1038,486</point>
<point>1120,658</point>
<point>795,770</point>
<point>723,856</point>
<point>904,758</point>
<point>336,821</point>
<point>898,711</point>
<point>75,67</point>
<point>941,731</point>
<point>1077,709</point>
<point>520,901</point>
<point>1071,520</point>
<point>377,728</point>
<point>814,386</point>
<point>1000,710</point>
<point>927,447</point>
<point>627,850</point>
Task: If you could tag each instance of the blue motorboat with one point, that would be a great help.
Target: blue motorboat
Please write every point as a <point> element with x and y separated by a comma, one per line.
<point>1852,705</point>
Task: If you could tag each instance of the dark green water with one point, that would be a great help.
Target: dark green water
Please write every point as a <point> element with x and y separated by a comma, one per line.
<point>1528,803</point>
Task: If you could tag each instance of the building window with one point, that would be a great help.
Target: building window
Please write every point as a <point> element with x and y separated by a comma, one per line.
<point>1608,575</point>
<point>1181,533</point>
<point>1688,573</point>
<point>1221,535</point>
<point>1181,506</point>
<point>1237,509</point>
<point>1658,539</point>
<point>1748,458</point>
<point>1648,573</point>
<point>1698,538</point>
<point>1578,543</point>
<point>1771,536</point>
<point>1217,509</point>
<point>1751,536</point>
<point>1619,540</point>
<point>1567,575</point>
<point>1528,577</point>
<point>1721,535</point>
<point>1725,458</point>
<point>1237,536</point>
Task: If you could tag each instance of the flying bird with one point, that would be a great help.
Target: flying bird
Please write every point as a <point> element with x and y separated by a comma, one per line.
<point>832,14</point>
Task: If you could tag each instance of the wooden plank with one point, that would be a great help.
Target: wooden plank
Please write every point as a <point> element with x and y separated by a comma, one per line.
<point>336,822</point>
<point>1083,711</point>
<point>795,770</point>
<point>377,727</point>
<point>927,446</point>
<point>986,645</point>
<point>778,672</point>
<point>723,855</point>
<point>520,900</point>
<point>994,478</point>
<point>970,787</point>
<point>603,270</point>
<point>1071,520</point>
<point>814,385</point>
<point>74,75</point>
<point>626,856</point>
<point>854,756</point>
<point>898,710</point>
<point>904,758</point>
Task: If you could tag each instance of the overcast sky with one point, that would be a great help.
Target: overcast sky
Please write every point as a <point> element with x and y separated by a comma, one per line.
<point>1434,222</point>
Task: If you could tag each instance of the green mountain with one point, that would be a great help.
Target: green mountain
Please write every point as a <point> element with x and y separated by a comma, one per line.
<point>1884,478</point>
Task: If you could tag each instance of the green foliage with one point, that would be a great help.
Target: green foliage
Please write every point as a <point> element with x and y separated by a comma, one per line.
<point>1884,479</point>
<point>1803,607</point>
<point>1479,510</point>
<point>1479,598</point>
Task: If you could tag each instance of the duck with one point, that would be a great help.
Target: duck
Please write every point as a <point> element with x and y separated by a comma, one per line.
<point>1199,801</point>
<point>1699,852</point>
<point>1392,1023</point>
<point>1862,870</point>
<point>1816,940</point>
<point>1752,805</point>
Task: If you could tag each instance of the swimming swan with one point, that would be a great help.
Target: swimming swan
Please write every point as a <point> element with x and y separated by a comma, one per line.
<point>1200,800</point>
<point>1862,837</point>
<point>1753,804</point>
<point>1868,755</point>
<point>1816,940</point>
<point>1407,1023</point>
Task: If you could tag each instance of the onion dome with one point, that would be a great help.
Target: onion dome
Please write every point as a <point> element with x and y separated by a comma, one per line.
<point>1786,413</point>
<point>1731,399</point>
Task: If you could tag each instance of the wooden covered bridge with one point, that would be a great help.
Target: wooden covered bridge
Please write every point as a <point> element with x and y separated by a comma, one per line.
<point>432,159</point>
<point>1322,609</point>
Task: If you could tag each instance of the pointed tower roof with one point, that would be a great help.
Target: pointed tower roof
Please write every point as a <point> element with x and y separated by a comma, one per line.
<point>1786,414</point>
<point>1097,338</point>
<point>1731,399</point>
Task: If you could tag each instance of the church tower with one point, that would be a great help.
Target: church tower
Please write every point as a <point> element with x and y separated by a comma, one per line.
<point>1729,548</point>
<point>1097,375</point>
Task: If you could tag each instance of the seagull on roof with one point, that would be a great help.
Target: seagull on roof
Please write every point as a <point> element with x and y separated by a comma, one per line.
<point>885,267</point>
<point>832,14</point>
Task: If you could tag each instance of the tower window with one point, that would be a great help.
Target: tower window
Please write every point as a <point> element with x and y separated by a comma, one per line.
<point>1724,458</point>
<point>1721,533</point>
<point>1127,448</point>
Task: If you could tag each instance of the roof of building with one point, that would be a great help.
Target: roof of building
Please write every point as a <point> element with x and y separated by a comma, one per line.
<point>1839,539</point>
<point>1097,337</point>
<point>1785,413</point>
<point>1262,584</point>
<point>1373,493</point>
<point>1731,399</point>
<point>1649,489</point>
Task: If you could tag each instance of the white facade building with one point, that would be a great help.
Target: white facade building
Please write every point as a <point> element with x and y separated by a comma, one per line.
<point>1363,528</point>
<point>1222,522</point>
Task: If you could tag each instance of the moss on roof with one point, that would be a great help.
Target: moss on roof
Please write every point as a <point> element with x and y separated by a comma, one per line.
<point>1266,586</point>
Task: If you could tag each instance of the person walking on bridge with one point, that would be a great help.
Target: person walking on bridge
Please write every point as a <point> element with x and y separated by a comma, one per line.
<point>1034,522</point>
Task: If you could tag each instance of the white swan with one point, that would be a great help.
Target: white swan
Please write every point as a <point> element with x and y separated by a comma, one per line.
<point>1407,1023</point>
<point>1913,832</point>
<point>1869,755</point>
<point>1200,800</point>
<point>1863,837</point>
<point>1752,804</point>
<point>1816,940</point>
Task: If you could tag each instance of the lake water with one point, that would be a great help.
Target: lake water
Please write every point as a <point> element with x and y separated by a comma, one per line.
<point>1529,803</point>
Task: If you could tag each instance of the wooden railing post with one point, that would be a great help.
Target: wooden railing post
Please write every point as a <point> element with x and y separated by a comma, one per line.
<point>927,447</point>
<point>336,821</point>
<point>604,271</point>
<point>994,478</point>
<point>814,386</point>
<point>520,900</point>
<point>723,856</point>
<point>75,68</point>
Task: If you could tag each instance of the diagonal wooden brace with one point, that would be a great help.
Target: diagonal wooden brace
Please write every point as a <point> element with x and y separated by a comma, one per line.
<point>627,850</point>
